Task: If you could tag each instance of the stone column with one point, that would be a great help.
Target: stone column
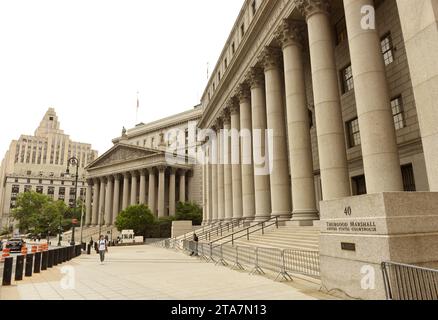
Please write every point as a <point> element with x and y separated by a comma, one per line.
<point>228,178</point>
<point>152,186</point>
<point>133,188</point>
<point>125,202</point>
<point>246,150</point>
<point>329,123</point>
<point>108,202</point>
<point>262,183</point>
<point>182,186</point>
<point>419,21</point>
<point>220,173</point>
<point>161,188</point>
<point>102,199</point>
<point>172,192</point>
<point>236,162</point>
<point>376,122</point>
<point>88,210</point>
<point>300,145</point>
<point>116,198</point>
<point>280,185</point>
<point>214,177</point>
<point>142,187</point>
<point>96,196</point>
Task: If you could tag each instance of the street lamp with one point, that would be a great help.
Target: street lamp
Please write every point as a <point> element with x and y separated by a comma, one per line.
<point>60,231</point>
<point>74,162</point>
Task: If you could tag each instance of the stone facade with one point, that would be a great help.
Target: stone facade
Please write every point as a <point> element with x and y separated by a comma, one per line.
<point>38,162</point>
<point>340,103</point>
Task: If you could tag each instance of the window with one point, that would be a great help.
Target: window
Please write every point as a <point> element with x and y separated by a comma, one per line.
<point>353,133</point>
<point>226,63</point>
<point>61,195</point>
<point>254,7</point>
<point>16,180</point>
<point>51,192</point>
<point>233,48</point>
<point>386,43</point>
<point>27,188</point>
<point>397,112</point>
<point>28,172</point>
<point>39,189</point>
<point>51,118</point>
<point>359,185</point>
<point>219,76</point>
<point>341,31</point>
<point>408,178</point>
<point>347,79</point>
<point>40,181</point>
<point>242,29</point>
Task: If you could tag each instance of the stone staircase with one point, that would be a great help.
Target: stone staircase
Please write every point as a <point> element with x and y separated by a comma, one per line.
<point>285,237</point>
<point>92,232</point>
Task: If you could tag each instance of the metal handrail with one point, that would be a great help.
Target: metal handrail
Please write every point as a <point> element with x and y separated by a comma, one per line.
<point>247,231</point>
<point>219,231</point>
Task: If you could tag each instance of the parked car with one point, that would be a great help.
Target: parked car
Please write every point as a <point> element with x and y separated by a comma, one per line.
<point>15,245</point>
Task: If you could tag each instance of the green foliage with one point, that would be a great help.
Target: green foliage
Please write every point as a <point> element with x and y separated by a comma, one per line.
<point>136,218</point>
<point>38,213</point>
<point>189,211</point>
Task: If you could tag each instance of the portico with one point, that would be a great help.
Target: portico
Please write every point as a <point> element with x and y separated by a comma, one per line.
<point>129,175</point>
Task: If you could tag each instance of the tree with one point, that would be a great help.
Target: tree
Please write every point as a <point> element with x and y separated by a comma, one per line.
<point>136,218</point>
<point>189,211</point>
<point>38,213</point>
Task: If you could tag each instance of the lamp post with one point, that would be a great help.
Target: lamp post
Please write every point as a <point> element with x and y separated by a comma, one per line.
<point>60,231</point>
<point>74,162</point>
<point>82,220</point>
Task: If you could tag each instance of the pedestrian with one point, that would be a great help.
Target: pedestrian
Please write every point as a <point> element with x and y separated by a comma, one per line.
<point>103,248</point>
<point>195,245</point>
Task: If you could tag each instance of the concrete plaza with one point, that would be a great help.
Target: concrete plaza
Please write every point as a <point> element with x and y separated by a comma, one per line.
<point>150,273</point>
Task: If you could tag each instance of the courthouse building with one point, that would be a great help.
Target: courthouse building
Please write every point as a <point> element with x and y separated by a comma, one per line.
<point>137,170</point>
<point>39,163</point>
<point>343,104</point>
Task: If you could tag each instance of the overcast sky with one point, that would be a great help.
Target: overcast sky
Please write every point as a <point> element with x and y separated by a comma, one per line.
<point>88,59</point>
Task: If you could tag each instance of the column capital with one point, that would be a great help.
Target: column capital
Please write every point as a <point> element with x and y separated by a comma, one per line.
<point>117,176</point>
<point>151,170</point>
<point>219,123</point>
<point>173,170</point>
<point>226,115</point>
<point>143,172</point>
<point>134,173</point>
<point>126,175</point>
<point>290,33</point>
<point>243,92</point>
<point>255,77</point>
<point>311,7</point>
<point>182,172</point>
<point>270,58</point>
<point>161,168</point>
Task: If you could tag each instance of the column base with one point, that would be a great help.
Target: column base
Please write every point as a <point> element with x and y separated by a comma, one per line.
<point>261,218</point>
<point>304,218</point>
<point>282,216</point>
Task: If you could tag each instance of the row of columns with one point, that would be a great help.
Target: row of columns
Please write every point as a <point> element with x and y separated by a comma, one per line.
<point>273,97</point>
<point>109,195</point>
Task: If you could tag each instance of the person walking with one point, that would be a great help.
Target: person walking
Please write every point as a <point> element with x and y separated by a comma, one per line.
<point>103,248</point>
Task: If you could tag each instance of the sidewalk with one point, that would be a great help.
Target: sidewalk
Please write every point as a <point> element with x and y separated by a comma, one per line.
<point>149,273</point>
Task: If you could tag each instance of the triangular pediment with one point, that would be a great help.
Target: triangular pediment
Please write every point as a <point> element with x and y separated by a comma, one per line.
<point>122,153</point>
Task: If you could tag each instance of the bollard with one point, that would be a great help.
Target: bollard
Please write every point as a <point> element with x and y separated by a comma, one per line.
<point>55,257</point>
<point>84,246</point>
<point>60,255</point>
<point>65,255</point>
<point>88,249</point>
<point>44,260</point>
<point>7,271</point>
<point>50,259</point>
<point>29,265</point>
<point>37,264</point>
<point>19,268</point>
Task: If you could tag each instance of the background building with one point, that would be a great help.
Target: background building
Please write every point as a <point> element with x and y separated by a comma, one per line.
<point>136,171</point>
<point>39,162</point>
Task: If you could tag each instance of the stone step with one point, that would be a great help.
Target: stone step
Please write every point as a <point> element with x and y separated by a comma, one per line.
<point>278,245</point>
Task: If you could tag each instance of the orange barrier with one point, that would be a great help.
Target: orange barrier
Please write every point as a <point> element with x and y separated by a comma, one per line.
<point>5,254</point>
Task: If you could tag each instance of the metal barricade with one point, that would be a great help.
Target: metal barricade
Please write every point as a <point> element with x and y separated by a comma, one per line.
<point>245,257</point>
<point>228,253</point>
<point>407,282</point>
<point>302,262</point>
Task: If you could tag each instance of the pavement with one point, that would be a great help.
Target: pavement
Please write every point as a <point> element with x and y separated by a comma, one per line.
<point>150,273</point>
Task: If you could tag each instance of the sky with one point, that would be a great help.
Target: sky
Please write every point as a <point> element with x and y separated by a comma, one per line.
<point>89,58</point>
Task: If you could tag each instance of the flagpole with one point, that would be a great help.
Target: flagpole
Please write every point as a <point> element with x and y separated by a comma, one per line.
<point>136,112</point>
